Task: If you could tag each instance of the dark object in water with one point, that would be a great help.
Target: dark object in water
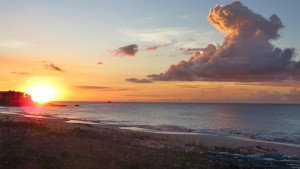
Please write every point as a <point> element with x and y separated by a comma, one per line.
<point>53,104</point>
<point>76,104</point>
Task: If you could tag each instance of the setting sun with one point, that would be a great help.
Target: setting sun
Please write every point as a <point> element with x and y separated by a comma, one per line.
<point>42,94</point>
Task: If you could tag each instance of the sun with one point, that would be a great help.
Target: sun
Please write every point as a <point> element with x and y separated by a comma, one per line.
<point>42,94</point>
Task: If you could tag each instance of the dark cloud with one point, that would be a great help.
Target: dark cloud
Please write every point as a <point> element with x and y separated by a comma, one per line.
<point>51,66</point>
<point>190,51</point>
<point>134,80</point>
<point>21,73</point>
<point>246,54</point>
<point>155,47</point>
<point>103,88</point>
<point>129,50</point>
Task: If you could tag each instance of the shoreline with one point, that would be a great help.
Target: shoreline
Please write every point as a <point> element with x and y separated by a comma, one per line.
<point>283,129</point>
<point>140,129</point>
<point>207,140</point>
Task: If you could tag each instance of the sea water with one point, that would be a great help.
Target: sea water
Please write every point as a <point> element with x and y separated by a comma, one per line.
<point>271,122</point>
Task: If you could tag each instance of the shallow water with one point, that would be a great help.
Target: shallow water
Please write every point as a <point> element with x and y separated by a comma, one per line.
<point>273,122</point>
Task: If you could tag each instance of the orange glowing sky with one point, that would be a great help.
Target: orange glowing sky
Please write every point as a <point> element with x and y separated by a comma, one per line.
<point>104,51</point>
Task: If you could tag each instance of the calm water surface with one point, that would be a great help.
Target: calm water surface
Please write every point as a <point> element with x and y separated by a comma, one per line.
<point>274,122</point>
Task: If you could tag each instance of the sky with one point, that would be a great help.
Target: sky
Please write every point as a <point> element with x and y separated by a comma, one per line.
<point>153,51</point>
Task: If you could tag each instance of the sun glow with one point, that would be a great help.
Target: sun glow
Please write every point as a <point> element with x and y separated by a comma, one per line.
<point>42,94</point>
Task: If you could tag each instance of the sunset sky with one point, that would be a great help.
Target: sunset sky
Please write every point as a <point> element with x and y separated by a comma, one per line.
<point>123,50</point>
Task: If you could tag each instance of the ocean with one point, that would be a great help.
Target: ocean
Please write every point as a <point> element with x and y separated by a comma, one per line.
<point>269,122</point>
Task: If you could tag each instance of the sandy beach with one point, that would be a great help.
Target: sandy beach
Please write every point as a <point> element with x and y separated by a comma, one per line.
<point>40,142</point>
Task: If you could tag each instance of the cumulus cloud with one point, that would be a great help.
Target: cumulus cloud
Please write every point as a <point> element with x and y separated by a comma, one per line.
<point>134,80</point>
<point>129,50</point>
<point>53,67</point>
<point>246,54</point>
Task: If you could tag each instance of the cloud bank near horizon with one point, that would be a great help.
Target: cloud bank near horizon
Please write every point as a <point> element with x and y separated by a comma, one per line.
<point>102,88</point>
<point>245,55</point>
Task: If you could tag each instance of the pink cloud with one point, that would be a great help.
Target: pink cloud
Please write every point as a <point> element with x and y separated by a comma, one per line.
<point>246,54</point>
<point>155,47</point>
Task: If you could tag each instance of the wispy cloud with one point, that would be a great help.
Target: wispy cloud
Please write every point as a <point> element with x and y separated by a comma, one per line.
<point>155,47</point>
<point>102,88</point>
<point>161,35</point>
<point>53,67</point>
<point>14,44</point>
<point>295,84</point>
<point>189,86</point>
<point>149,95</point>
<point>173,38</point>
<point>135,80</point>
<point>185,17</point>
<point>21,73</point>
<point>148,19</point>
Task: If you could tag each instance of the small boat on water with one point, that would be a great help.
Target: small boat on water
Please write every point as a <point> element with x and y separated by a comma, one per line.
<point>53,104</point>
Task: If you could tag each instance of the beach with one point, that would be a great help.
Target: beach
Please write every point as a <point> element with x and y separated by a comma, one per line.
<point>149,84</point>
<point>41,142</point>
